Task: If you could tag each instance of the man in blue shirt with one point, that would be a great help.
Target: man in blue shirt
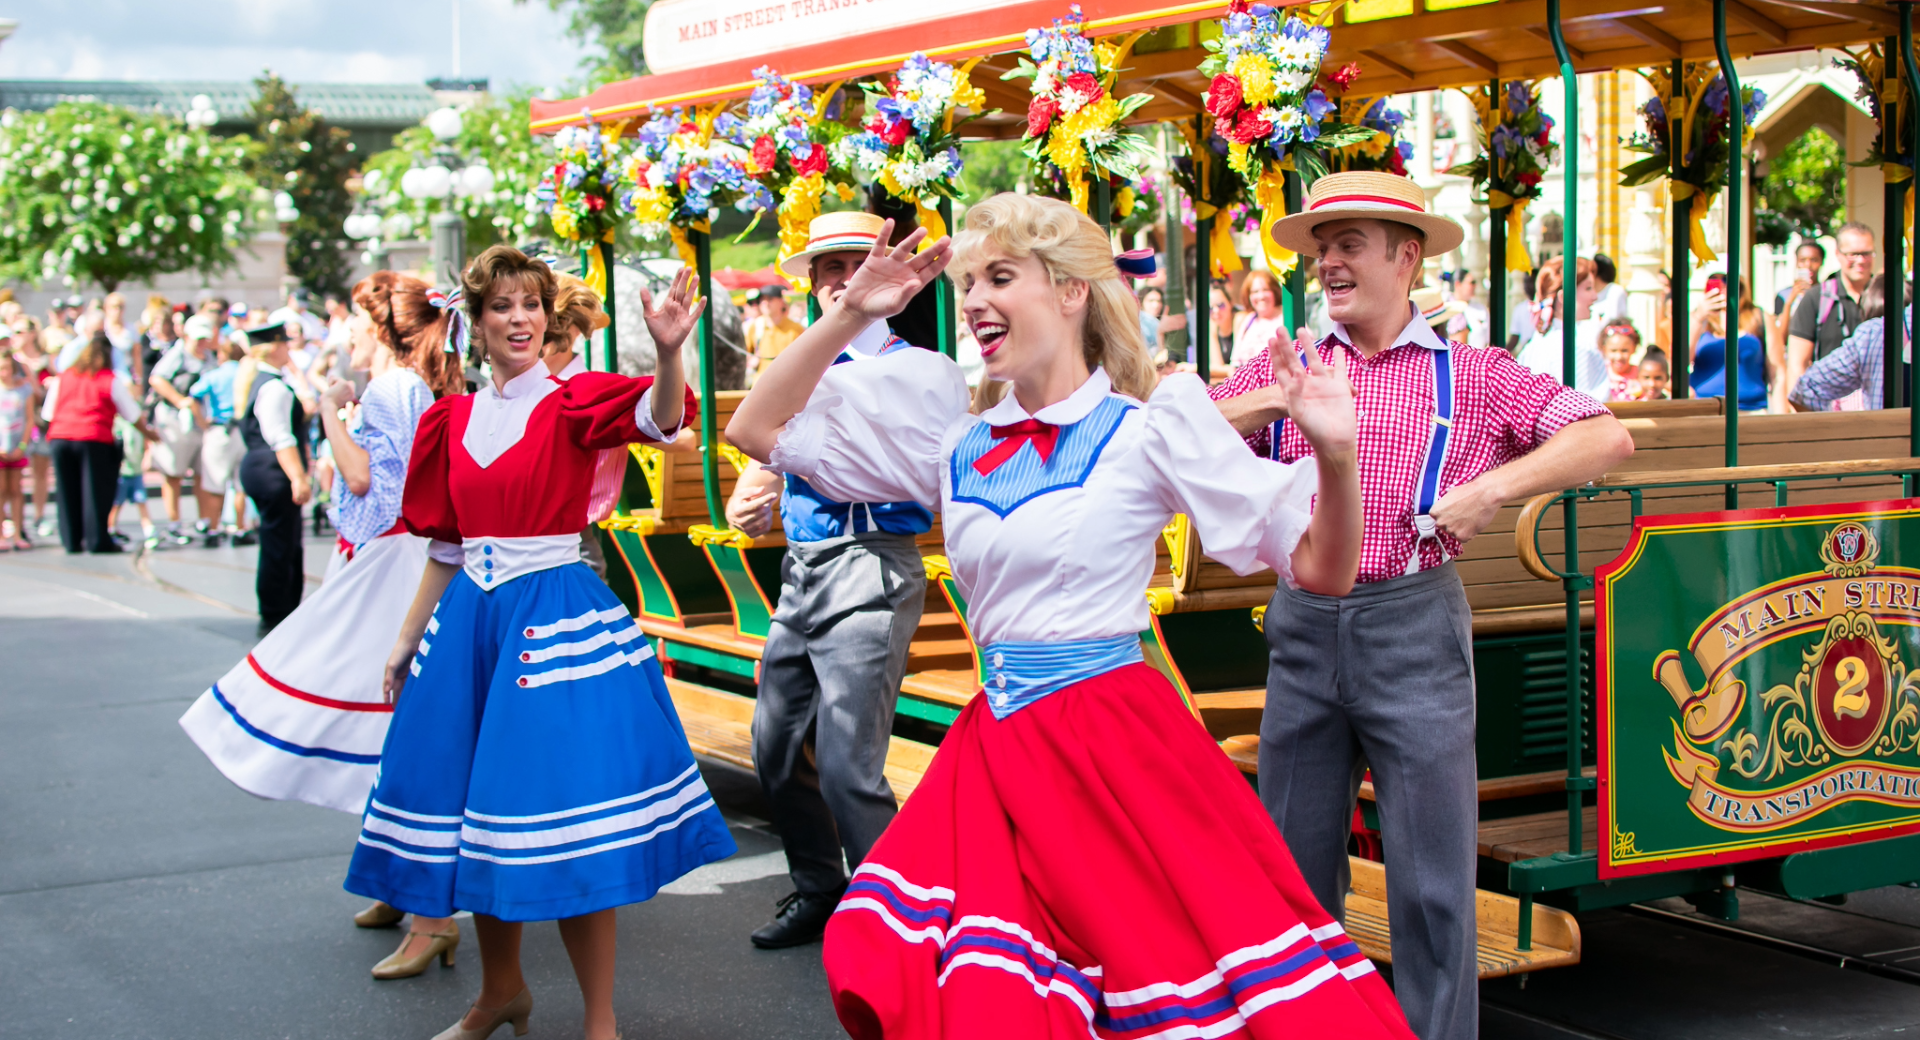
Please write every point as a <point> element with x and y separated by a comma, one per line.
<point>1853,376</point>
<point>852,588</point>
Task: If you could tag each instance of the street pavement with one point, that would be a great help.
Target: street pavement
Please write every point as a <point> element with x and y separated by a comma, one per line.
<point>143,896</point>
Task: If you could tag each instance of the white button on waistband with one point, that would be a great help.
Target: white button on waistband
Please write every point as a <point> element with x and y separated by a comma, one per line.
<point>1000,680</point>
<point>999,660</point>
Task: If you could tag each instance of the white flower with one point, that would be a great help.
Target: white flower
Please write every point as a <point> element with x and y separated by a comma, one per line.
<point>1282,117</point>
<point>197,223</point>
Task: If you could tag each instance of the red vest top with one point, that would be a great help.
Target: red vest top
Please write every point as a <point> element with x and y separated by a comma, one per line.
<point>83,410</point>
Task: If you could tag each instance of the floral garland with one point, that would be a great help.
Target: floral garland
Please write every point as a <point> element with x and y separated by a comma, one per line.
<point>1697,110</point>
<point>1204,177</point>
<point>1876,89</point>
<point>1384,152</point>
<point>909,146</point>
<point>680,172</point>
<point>1265,102</point>
<point>1073,121</point>
<point>787,138</point>
<point>578,193</point>
<point>1517,149</point>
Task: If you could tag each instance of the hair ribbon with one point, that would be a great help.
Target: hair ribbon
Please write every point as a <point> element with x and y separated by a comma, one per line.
<point>458,333</point>
<point>1136,263</point>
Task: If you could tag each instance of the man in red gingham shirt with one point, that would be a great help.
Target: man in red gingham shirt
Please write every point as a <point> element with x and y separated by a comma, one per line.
<point>1383,678</point>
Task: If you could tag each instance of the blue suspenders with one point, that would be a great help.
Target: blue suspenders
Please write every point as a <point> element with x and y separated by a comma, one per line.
<point>1436,459</point>
<point>1430,466</point>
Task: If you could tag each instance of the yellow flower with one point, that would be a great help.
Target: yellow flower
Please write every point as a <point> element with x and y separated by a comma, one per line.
<point>564,224</point>
<point>845,191</point>
<point>889,179</point>
<point>1256,79</point>
<point>1066,145</point>
<point>966,95</point>
<point>649,207</point>
<point>1374,147</point>
<point>1123,203</point>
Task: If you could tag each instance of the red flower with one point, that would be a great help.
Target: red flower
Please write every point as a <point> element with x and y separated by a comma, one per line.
<point>1040,113</point>
<point>1395,164</point>
<point>897,132</point>
<point>1223,96</point>
<point>1249,127</point>
<point>1346,74</point>
<point>763,154</point>
<point>1237,6</point>
<point>815,162</point>
<point>689,127</point>
<point>1085,85</point>
<point>595,203</point>
<point>1530,179</point>
<point>1541,139</point>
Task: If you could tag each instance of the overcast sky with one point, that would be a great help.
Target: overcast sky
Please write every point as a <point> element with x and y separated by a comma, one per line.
<point>305,41</point>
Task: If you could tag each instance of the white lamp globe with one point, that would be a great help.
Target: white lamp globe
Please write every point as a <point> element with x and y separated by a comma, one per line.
<point>444,123</point>
<point>412,183</point>
<point>476,180</point>
<point>399,225</point>
<point>436,181</point>
<point>370,182</point>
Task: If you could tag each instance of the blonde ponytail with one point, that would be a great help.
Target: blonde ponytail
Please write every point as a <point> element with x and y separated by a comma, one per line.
<point>1070,245</point>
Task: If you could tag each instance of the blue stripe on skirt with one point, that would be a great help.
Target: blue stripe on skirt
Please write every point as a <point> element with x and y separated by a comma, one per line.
<point>535,767</point>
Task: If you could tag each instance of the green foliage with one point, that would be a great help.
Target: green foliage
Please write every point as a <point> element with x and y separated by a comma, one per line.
<point>1806,187</point>
<point>306,158</point>
<point>106,196</point>
<point>614,28</point>
<point>493,131</point>
<point>991,167</point>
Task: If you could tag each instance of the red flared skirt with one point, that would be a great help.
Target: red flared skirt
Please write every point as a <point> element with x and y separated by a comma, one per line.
<point>1092,866</point>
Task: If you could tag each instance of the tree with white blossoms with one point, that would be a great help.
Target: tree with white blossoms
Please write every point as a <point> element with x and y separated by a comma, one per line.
<point>101,195</point>
<point>493,131</point>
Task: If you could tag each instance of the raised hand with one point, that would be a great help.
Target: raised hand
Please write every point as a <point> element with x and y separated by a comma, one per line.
<point>1319,398</point>
<point>671,320</point>
<point>1280,347</point>
<point>890,276</point>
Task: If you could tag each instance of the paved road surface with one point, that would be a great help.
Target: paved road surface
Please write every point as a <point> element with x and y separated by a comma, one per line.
<point>142,896</point>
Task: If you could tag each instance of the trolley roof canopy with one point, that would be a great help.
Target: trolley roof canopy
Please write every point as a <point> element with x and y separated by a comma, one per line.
<point>706,50</point>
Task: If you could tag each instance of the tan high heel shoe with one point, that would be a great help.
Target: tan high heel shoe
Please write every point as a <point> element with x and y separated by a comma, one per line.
<point>400,966</point>
<point>379,915</point>
<point>517,1011</point>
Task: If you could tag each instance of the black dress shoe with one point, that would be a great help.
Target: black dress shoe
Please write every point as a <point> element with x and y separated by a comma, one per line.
<point>802,918</point>
<point>246,537</point>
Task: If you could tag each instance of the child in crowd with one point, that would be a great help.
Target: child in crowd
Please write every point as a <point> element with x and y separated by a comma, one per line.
<point>221,449</point>
<point>16,404</point>
<point>133,483</point>
<point>1619,342</point>
<point>1653,376</point>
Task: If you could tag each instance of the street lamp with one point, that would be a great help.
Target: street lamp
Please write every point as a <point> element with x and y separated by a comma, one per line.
<point>449,175</point>
<point>367,223</point>
<point>201,114</point>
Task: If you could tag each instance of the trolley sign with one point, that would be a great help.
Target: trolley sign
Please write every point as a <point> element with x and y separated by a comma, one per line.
<point>1755,697</point>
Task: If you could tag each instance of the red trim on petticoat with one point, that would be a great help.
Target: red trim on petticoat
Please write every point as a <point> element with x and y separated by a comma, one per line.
<point>311,698</point>
<point>1401,203</point>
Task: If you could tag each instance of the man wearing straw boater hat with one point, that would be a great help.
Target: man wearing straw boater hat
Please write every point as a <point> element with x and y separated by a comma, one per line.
<point>1382,679</point>
<point>851,591</point>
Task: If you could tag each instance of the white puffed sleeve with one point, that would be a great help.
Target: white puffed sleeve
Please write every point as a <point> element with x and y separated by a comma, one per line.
<point>1248,510</point>
<point>872,430</point>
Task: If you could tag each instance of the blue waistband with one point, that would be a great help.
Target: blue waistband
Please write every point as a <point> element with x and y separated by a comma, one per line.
<point>1020,673</point>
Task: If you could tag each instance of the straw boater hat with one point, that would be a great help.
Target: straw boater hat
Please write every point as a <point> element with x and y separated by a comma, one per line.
<point>834,233</point>
<point>1365,196</point>
<point>1435,309</point>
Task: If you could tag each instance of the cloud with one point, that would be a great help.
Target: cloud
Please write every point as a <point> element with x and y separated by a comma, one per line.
<point>305,41</point>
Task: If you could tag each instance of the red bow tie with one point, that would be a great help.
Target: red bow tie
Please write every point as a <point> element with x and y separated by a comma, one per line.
<point>1027,431</point>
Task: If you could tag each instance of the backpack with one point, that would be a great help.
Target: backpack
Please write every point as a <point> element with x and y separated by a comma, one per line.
<point>1829,299</point>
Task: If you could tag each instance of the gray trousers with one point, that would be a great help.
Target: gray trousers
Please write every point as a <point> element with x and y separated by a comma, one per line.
<point>829,676</point>
<point>1383,678</point>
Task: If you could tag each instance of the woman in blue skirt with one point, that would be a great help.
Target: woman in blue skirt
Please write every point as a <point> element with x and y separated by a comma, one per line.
<point>546,775</point>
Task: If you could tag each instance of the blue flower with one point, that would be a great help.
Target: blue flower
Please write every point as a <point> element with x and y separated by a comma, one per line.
<point>1239,23</point>
<point>1655,111</point>
<point>1518,97</point>
<point>1406,151</point>
<point>575,174</point>
<point>1317,105</point>
<point>1320,37</point>
<point>835,106</point>
<point>1716,97</point>
<point>702,180</point>
<point>1309,131</point>
<point>1498,141</point>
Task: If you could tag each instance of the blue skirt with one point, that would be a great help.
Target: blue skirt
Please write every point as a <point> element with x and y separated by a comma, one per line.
<point>535,768</point>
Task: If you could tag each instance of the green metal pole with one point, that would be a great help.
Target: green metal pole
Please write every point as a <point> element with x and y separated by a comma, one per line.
<point>946,334</point>
<point>1570,249</point>
<point>1102,200</point>
<point>1896,309</point>
<point>1893,203</point>
<point>1296,295</point>
<point>1175,293</point>
<point>709,435</point>
<point>1680,317</point>
<point>1736,177</point>
<point>1203,294</point>
<point>1496,244</point>
<point>609,337</point>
